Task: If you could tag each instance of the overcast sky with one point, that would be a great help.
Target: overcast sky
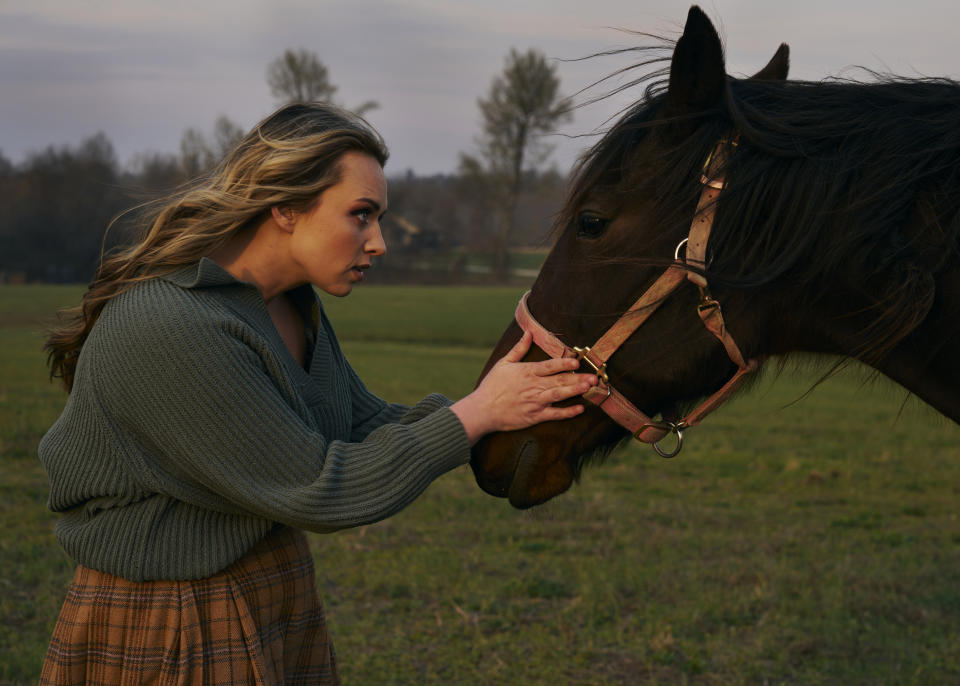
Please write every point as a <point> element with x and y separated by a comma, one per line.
<point>142,71</point>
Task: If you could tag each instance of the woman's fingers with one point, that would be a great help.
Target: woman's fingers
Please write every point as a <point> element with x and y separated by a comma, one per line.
<point>555,366</point>
<point>560,387</point>
<point>578,385</point>
<point>552,414</point>
<point>516,394</point>
<point>520,348</point>
<point>548,367</point>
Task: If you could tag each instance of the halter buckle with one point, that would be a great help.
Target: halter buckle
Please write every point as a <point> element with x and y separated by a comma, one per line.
<point>707,304</point>
<point>719,151</point>
<point>600,371</point>
<point>707,301</point>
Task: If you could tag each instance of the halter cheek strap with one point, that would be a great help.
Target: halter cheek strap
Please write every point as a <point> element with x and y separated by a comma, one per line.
<point>604,395</point>
<point>608,398</point>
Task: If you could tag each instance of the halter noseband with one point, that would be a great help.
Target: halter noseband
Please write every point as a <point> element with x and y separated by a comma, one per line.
<point>604,395</point>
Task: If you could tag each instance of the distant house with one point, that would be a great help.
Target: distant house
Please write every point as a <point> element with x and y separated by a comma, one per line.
<point>403,235</point>
<point>401,232</point>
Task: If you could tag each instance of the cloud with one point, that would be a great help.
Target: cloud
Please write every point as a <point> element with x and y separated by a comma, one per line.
<point>142,71</point>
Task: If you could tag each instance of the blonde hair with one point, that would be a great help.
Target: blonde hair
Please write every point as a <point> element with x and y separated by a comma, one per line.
<point>287,160</point>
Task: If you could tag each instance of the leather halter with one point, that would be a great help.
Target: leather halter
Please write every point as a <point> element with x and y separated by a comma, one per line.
<point>604,395</point>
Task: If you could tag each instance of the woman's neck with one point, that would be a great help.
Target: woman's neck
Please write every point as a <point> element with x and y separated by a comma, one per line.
<point>256,255</point>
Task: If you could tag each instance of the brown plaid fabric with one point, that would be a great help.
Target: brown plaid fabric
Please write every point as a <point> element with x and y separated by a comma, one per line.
<point>259,621</point>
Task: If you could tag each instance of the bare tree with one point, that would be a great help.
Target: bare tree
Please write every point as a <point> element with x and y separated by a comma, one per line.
<point>195,154</point>
<point>226,136</point>
<point>300,76</point>
<point>199,154</point>
<point>522,105</point>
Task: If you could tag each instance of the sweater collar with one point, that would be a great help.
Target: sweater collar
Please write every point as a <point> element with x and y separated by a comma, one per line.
<point>208,274</point>
<point>203,274</point>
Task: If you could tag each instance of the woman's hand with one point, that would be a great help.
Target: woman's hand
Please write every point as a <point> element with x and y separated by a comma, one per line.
<point>514,394</point>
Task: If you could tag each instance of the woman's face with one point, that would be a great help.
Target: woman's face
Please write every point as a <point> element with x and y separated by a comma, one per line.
<point>335,242</point>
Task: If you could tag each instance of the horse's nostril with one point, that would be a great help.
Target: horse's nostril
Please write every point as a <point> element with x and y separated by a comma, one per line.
<point>524,475</point>
<point>495,460</point>
<point>528,454</point>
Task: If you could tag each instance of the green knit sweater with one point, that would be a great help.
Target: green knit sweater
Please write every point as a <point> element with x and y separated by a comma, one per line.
<point>191,431</point>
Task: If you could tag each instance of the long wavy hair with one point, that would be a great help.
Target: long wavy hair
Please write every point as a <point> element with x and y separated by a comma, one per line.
<point>287,160</point>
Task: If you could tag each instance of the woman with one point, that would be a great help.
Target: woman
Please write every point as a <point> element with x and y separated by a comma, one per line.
<point>212,417</point>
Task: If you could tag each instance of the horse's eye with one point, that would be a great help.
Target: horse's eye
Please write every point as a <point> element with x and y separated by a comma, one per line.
<point>590,226</point>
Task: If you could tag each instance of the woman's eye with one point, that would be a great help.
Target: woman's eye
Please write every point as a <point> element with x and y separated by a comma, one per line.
<point>363,215</point>
<point>590,226</point>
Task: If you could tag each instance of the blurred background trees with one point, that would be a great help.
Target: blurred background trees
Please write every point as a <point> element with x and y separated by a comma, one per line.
<point>56,204</point>
<point>54,208</point>
<point>300,76</point>
<point>522,106</point>
<point>200,153</point>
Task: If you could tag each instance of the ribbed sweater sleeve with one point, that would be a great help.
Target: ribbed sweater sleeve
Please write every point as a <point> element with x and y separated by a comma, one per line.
<point>204,431</point>
<point>202,403</point>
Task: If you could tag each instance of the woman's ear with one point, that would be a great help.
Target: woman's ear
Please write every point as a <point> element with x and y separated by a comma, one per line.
<point>285,217</point>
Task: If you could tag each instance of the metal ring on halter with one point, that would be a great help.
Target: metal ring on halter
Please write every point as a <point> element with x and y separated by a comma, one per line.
<point>676,253</point>
<point>674,428</point>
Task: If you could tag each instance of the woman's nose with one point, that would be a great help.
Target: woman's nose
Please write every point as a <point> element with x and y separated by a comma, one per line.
<point>375,244</point>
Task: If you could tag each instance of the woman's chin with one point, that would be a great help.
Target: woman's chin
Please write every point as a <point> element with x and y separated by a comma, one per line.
<point>339,290</point>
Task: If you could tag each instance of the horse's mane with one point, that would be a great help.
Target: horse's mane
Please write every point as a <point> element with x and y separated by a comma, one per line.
<point>866,172</point>
<point>864,156</point>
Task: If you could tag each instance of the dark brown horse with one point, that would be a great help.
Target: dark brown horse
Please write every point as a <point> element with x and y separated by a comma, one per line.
<point>835,230</point>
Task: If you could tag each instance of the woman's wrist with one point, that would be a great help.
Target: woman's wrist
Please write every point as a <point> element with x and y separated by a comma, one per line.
<point>472,417</point>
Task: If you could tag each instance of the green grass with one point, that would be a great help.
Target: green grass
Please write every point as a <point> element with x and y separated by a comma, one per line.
<point>432,315</point>
<point>796,540</point>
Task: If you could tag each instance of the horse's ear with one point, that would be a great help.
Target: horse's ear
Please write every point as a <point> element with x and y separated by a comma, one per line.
<point>777,67</point>
<point>697,72</point>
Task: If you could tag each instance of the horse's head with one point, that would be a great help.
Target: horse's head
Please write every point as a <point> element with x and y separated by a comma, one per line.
<point>630,204</point>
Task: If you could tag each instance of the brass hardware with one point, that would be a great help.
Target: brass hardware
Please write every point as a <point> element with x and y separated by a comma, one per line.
<point>718,152</point>
<point>707,301</point>
<point>706,162</point>
<point>719,147</point>
<point>707,304</point>
<point>600,371</point>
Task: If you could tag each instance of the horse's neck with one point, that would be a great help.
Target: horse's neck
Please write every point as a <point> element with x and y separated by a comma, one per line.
<point>934,381</point>
<point>924,362</point>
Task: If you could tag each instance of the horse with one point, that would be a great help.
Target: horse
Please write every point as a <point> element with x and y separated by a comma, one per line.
<point>754,217</point>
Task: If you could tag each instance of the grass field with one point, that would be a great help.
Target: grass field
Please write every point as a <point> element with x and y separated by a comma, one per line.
<point>807,542</point>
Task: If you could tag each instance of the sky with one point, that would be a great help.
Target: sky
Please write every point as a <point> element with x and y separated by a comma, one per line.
<point>143,71</point>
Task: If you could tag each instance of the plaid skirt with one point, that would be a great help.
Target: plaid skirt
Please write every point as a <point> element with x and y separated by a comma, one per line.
<point>259,621</point>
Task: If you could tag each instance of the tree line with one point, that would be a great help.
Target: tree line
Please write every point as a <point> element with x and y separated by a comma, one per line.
<point>57,203</point>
